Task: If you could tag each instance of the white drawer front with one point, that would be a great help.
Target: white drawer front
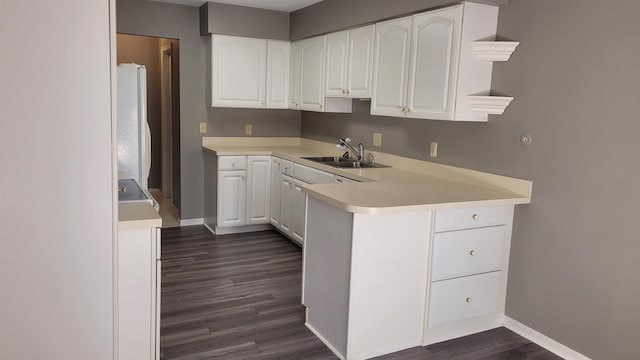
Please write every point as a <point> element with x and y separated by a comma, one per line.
<point>447,220</point>
<point>311,175</point>
<point>462,298</point>
<point>467,252</point>
<point>286,167</point>
<point>232,162</point>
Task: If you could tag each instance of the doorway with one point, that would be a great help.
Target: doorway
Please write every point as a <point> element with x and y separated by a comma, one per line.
<point>160,56</point>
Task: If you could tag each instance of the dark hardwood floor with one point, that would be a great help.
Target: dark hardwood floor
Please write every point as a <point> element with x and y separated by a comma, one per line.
<point>238,297</point>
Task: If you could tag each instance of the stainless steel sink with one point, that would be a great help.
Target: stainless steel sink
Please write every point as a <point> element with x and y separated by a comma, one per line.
<point>340,162</point>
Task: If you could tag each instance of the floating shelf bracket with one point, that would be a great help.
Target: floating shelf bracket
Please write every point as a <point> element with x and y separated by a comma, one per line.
<point>494,50</point>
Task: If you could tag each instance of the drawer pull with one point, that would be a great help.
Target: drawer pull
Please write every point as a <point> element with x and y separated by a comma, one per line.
<point>475,216</point>
<point>472,253</point>
<point>468,300</point>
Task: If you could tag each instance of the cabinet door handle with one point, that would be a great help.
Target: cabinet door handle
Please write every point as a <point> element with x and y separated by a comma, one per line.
<point>468,300</point>
<point>347,92</point>
<point>472,253</point>
<point>475,216</point>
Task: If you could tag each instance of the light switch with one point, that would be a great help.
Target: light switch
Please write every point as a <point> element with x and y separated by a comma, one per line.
<point>377,139</point>
<point>203,128</point>
<point>248,129</point>
<point>433,151</point>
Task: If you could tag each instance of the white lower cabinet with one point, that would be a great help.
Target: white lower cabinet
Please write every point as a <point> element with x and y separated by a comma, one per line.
<point>232,193</point>
<point>298,209</point>
<point>138,293</point>
<point>288,199</point>
<point>258,189</point>
<point>286,194</point>
<point>241,199</point>
<point>468,279</point>
<point>276,183</point>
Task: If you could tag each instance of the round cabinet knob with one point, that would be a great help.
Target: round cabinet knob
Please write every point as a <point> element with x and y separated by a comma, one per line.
<point>475,216</point>
<point>233,164</point>
<point>347,92</point>
<point>468,300</point>
<point>472,253</point>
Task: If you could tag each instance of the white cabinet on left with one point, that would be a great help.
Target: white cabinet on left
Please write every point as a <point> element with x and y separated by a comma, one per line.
<point>249,73</point>
<point>237,193</point>
<point>138,282</point>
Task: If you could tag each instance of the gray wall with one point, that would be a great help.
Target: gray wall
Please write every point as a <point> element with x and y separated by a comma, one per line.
<point>145,51</point>
<point>57,182</point>
<point>331,15</point>
<point>217,18</point>
<point>573,270</point>
<point>182,22</point>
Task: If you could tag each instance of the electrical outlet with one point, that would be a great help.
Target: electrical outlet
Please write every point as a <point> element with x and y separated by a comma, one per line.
<point>433,151</point>
<point>248,129</point>
<point>203,128</point>
<point>377,139</point>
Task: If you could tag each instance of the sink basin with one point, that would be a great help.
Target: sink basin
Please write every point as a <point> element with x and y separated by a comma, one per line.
<point>340,162</point>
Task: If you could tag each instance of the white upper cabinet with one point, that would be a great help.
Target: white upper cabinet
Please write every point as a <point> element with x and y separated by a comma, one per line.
<point>249,73</point>
<point>435,39</point>
<point>391,67</point>
<point>308,73</point>
<point>312,55</point>
<point>349,63</point>
<point>238,71</point>
<point>294,77</point>
<point>425,66</point>
<point>278,60</point>
<point>337,62</point>
<point>360,69</point>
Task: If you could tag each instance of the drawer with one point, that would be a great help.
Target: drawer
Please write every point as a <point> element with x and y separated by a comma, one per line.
<point>232,162</point>
<point>311,175</point>
<point>447,220</point>
<point>463,298</point>
<point>467,252</point>
<point>286,167</point>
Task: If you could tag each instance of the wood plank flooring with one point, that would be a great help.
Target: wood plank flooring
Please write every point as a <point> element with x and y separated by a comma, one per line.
<point>238,297</point>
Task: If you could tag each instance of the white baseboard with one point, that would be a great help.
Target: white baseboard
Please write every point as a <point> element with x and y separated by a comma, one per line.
<point>210,229</point>
<point>191,222</point>
<point>542,340</point>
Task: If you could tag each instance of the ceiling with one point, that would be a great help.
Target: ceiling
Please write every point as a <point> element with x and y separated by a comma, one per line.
<point>280,5</point>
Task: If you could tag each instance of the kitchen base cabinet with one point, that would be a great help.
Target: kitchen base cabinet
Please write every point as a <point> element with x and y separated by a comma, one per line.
<point>291,201</point>
<point>355,302</point>
<point>237,193</point>
<point>468,280</point>
<point>138,279</point>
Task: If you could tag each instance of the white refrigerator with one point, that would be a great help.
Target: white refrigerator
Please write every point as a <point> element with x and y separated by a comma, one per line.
<point>134,136</point>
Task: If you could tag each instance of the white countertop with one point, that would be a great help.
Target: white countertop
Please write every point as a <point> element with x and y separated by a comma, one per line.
<point>425,186</point>
<point>137,215</point>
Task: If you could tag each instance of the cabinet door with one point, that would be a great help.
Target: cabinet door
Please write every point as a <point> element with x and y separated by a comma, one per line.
<point>238,72</point>
<point>294,77</point>
<point>278,59</point>
<point>360,62</point>
<point>434,63</point>
<point>312,57</point>
<point>298,212</point>
<point>276,184</point>
<point>337,59</point>
<point>258,189</point>
<point>391,67</point>
<point>286,191</point>
<point>232,192</point>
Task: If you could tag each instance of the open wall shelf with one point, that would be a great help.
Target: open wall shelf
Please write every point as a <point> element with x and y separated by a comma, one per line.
<point>494,50</point>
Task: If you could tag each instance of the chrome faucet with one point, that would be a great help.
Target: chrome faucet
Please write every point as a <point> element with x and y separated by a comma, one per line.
<point>345,144</point>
